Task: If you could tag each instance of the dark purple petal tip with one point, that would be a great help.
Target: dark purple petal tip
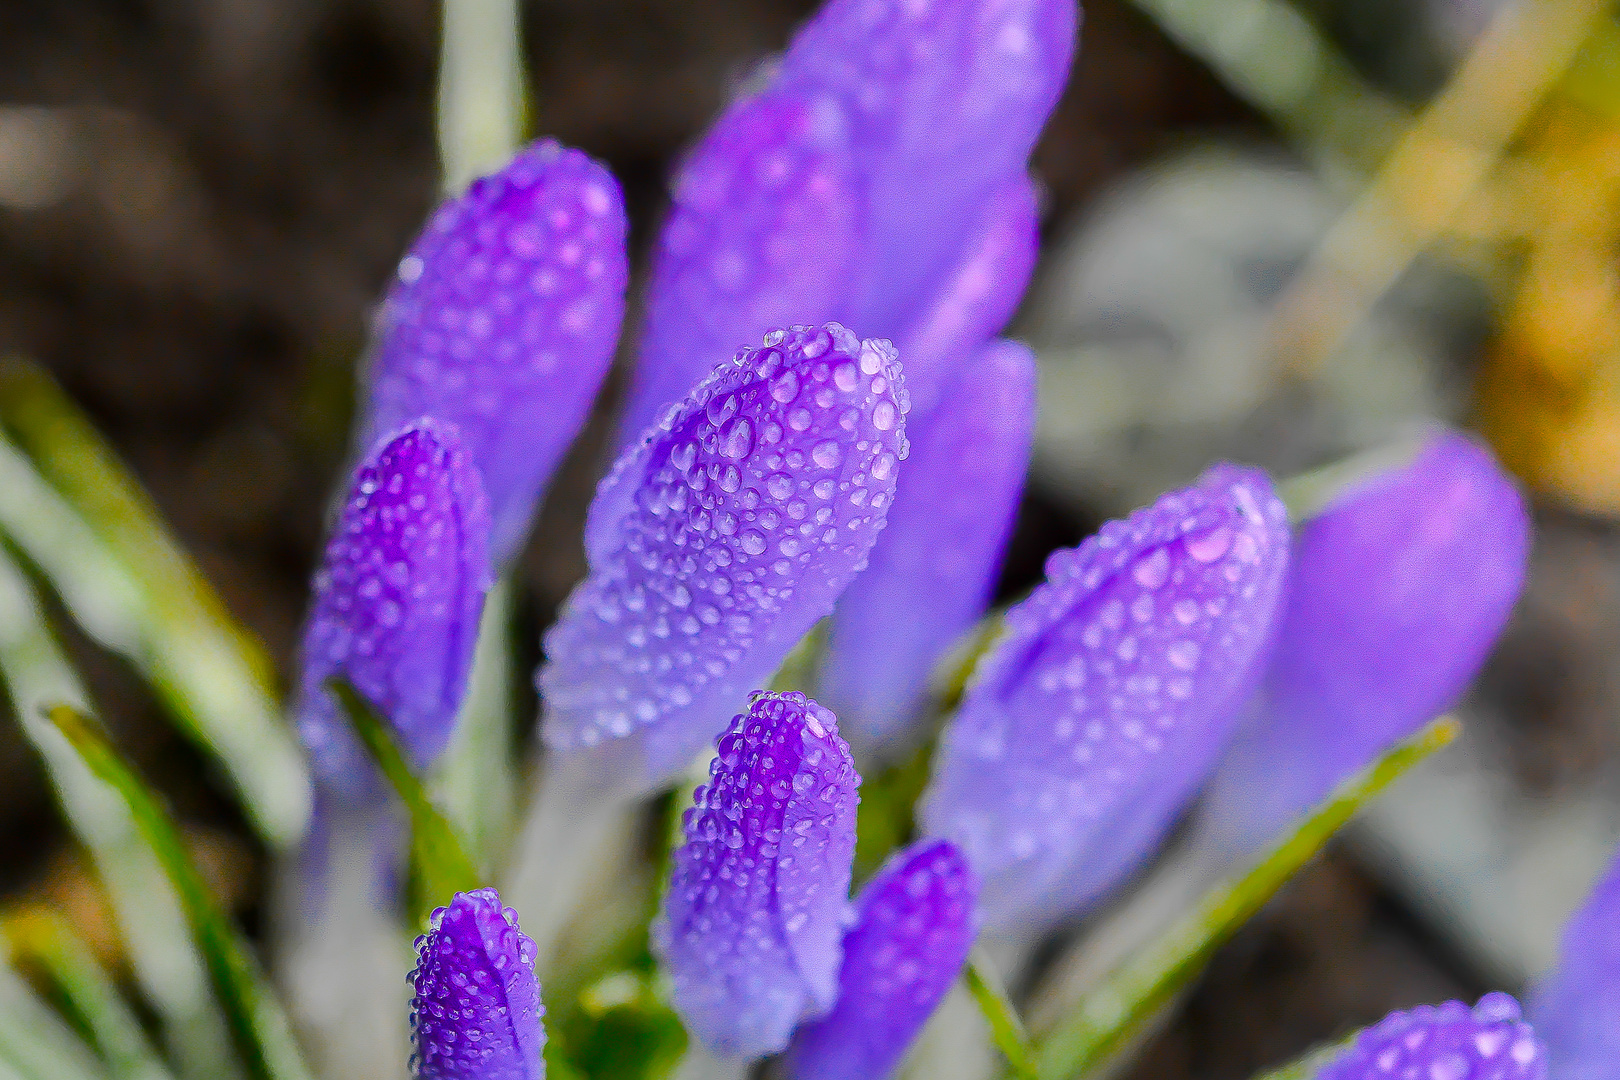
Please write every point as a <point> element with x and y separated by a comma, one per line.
<point>915,923</point>
<point>476,1014</point>
<point>759,899</point>
<point>1445,1042</point>
<point>503,320</point>
<point>396,605</point>
<point>718,541</point>
<point>1096,717</point>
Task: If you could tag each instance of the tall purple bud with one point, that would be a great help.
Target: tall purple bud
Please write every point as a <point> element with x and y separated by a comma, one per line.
<point>1445,1042</point>
<point>802,201</point>
<point>933,568</point>
<point>1395,594</point>
<point>397,601</point>
<point>1105,704</point>
<point>503,320</point>
<point>915,923</point>
<point>759,898</point>
<point>717,542</point>
<point>476,1014</point>
<point>1576,1005</point>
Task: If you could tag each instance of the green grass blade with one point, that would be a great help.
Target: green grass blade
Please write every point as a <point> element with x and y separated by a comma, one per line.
<point>215,678</point>
<point>442,864</point>
<point>1107,1018</point>
<point>90,993</point>
<point>35,1043</point>
<point>1005,1028</point>
<point>257,1023</point>
<point>1309,1065</point>
<point>150,921</point>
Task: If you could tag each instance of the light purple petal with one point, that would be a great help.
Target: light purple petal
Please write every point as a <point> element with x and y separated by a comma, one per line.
<point>759,899</point>
<point>915,923</point>
<point>503,320</point>
<point>717,543</point>
<point>397,601</point>
<point>1445,1042</point>
<point>1576,1006</point>
<point>476,1014</point>
<point>932,570</point>
<point>1395,594</point>
<point>1091,724</point>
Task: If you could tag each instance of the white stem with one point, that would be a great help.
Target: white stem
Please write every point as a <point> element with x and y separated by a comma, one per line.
<point>699,1064</point>
<point>480,88</point>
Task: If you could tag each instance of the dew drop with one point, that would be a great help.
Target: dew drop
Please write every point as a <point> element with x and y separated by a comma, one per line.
<point>753,542</point>
<point>1211,545</point>
<point>827,454</point>
<point>738,440</point>
<point>883,415</point>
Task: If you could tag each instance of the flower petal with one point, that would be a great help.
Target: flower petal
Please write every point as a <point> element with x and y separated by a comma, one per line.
<point>1575,1006</point>
<point>1445,1042</point>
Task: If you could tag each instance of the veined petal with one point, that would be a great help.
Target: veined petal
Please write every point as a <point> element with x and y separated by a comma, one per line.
<point>915,923</point>
<point>476,1014</point>
<point>1395,594</point>
<point>717,542</point>
<point>759,897</point>
<point>1445,1042</point>
<point>397,601</point>
<point>503,320</point>
<point>1575,1006</point>
<point>932,570</point>
<point>1095,719</point>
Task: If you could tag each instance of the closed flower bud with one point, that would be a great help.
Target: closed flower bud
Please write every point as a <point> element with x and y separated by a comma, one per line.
<point>1445,1042</point>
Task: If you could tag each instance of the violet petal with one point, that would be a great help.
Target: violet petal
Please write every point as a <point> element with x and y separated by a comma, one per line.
<point>759,897</point>
<point>915,924</point>
<point>503,320</point>
<point>1445,1042</point>
<point>718,542</point>
<point>1094,720</point>
<point>1575,1006</point>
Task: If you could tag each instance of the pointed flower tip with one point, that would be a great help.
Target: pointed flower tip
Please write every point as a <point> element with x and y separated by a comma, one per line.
<point>476,1013</point>
<point>718,542</point>
<point>503,319</point>
<point>1446,1042</point>
<point>1115,685</point>
<point>397,601</point>
<point>758,900</point>
<point>915,924</point>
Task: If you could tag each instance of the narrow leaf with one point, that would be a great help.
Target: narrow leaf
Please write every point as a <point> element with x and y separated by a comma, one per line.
<point>1119,1008</point>
<point>440,853</point>
<point>257,1022</point>
<point>1005,1027</point>
<point>215,678</point>
<point>35,1044</point>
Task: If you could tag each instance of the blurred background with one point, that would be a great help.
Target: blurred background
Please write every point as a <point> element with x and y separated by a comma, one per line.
<point>1281,231</point>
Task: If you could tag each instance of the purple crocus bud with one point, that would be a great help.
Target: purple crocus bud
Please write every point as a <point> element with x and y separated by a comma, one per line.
<point>503,319</point>
<point>476,1014</point>
<point>718,542</point>
<point>932,570</point>
<point>397,601</point>
<point>1575,1006</point>
<point>759,899</point>
<point>802,201</point>
<point>1445,1042</point>
<point>915,923</point>
<point>1395,594</point>
<point>1109,696</point>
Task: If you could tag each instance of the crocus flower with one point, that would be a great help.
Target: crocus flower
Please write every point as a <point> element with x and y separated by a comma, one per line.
<point>915,922</point>
<point>802,203</point>
<point>932,570</point>
<point>476,1013</point>
<point>1114,686</point>
<point>503,319</point>
<point>396,606</point>
<point>1395,593</point>
<point>759,898</point>
<point>1576,1008</point>
<point>717,542</point>
<point>1445,1042</point>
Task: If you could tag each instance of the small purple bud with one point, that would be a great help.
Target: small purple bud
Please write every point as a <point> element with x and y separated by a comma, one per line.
<point>915,923</point>
<point>1445,1042</point>
<point>933,568</point>
<point>503,320</point>
<point>1395,594</point>
<point>1575,1007</point>
<point>759,899</point>
<point>1092,723</point>
<point>477,1013</point>
<point>717,542</point>
<point>397,601</point>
